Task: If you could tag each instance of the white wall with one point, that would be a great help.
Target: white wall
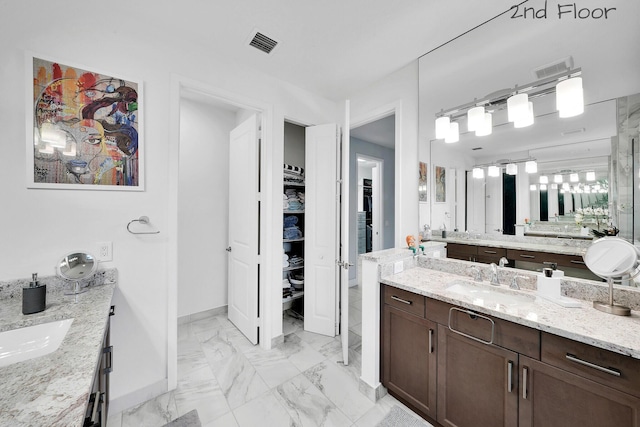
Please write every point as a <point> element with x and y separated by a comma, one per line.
<point>399,90</point>
<point>203,212</point>
<point>55,222</point>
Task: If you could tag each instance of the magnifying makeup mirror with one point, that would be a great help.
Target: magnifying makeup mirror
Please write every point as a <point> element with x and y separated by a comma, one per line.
<point>75,267</point>
<point>613,259</point>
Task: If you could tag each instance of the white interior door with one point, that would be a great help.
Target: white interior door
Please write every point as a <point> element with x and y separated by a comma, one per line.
<point>321,244</point>
<point>244,228</point>
<point>493,205</point>
<point>475,205</point>
<point>376,213</point>
<point>344,237</point>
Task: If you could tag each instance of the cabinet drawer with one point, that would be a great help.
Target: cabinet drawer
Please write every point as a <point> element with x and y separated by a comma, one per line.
<point>462,249</point>
<point>532,256</point>
<point>607,367</point>
<point>490,251</point>
<point>506,334</point>
<point>404,300</point>
<point>575,261</point>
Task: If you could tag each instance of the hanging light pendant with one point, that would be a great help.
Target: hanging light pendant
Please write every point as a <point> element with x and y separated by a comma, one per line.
<point>544,179</point>
<point>442,127</point>
<point>454,133</point>
<point>533,187</point>
<point>570,97</point>
<point>493,171</point>
<point>531,166</point>
<point>487,126</point>
<point>557,179</point>
<point>512,169</point>
<point>574,177</point>
<point>527,120</point>
<point>478,173</point>
<point>518,107</point>
<point>591,176</point>
<point>475,118</point>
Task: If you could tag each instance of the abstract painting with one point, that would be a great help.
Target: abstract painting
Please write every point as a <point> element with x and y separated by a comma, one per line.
<point>441,184</point>
<point>85,130</point>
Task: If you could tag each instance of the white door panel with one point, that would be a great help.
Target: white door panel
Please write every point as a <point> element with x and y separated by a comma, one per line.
<point>243,228</point>
<point>344,236</point>
<point>321,225</point>
<point>493,205</point>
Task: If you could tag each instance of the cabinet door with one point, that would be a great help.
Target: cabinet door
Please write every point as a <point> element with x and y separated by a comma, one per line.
<point>552,397</point>
<point>460,251</point>
<point>477,383</point>
<point>409,359</point>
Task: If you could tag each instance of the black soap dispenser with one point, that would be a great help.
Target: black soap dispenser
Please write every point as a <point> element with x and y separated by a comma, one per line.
<point>34,297</point>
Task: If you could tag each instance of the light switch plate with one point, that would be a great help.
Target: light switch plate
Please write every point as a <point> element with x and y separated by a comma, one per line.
<point>398,267</point>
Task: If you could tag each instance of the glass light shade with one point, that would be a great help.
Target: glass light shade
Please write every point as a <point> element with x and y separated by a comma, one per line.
<point>591,176</point>
<point>512,169</point>
<point>454,133</point>
<point>557,179</point>
<point>562,190</point>
<point>493,171</point>
<point>531,166</point>
<point>518,107</point>
<point>475,117</point>
<point>478,173</point>
<point>527,120</point>
<point>544,179</point>
<point>543,187</point>
<point>487,126</point>
<point>533,187</point>
<point>442,127</point>
<point>554,186</point>
<point>570,97</point>
<point>566,186</point>
<point>574,177</point>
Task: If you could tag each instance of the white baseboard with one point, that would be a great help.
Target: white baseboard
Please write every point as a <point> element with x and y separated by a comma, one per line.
<point>202,315</point>
<point>137,397</point>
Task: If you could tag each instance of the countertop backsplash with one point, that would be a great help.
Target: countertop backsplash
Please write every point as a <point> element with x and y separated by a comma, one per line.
<point>13,288</point>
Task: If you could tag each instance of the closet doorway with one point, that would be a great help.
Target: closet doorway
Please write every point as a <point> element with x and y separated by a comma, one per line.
<point>370,230</point>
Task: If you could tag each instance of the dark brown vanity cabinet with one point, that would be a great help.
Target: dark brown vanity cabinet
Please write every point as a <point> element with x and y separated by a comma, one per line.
<point>577,384</point>
<point>484,254</point>
<point>98,405</point>
<point>409,356</point>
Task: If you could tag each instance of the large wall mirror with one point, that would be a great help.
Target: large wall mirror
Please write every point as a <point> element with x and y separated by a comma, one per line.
<point>503,54</point>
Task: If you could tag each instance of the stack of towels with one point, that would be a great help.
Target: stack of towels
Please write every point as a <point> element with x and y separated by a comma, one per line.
<point>291,230</point>
<point>293,200</point>
<point>293,174</point>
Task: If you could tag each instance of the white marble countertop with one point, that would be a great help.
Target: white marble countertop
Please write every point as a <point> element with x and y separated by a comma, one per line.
<point>54,389</point>
<point>563,249</point>
<point>584,324</point>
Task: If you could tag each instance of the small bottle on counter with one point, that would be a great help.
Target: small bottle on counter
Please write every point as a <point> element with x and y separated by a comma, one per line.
<point>34,297</point>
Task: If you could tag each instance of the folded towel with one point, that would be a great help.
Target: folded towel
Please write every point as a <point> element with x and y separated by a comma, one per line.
<point>294,169</point>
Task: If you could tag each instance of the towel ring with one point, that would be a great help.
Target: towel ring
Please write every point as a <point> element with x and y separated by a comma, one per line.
<point>141,220</point>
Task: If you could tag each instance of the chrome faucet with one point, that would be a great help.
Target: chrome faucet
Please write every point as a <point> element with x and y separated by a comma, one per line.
<point>503,261</point>
<point>514,282</point>
<point>494,274</point>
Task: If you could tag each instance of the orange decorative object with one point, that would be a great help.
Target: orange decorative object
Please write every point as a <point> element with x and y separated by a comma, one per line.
<point>411,241</point>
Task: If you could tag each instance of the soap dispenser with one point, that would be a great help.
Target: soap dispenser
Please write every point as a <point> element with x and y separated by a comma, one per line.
<point>34,297</point>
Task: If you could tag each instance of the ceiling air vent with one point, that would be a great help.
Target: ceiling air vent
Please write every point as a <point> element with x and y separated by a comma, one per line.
<point>554,68</point>
<point>261,42</point>
<point>476,148</point>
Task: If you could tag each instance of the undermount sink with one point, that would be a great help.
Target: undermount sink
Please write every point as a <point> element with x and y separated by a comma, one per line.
<point>488,295</point>
<point>18,345</point>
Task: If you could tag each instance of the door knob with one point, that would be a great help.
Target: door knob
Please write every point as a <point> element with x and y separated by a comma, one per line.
<point>228,249</point>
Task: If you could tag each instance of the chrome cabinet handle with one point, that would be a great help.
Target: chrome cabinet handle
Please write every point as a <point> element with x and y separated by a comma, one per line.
<point>525,374</point>
<point>490,252</point>
<point>509,376</point>
<point>473,315</point>
<point>527,256</point>
<point>109,351</point>
<point>573,261</point>
<point>610,371</point>
<point>430,340</point>
<point>404,301</point>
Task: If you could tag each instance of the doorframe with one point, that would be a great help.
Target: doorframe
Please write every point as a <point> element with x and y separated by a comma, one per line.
<point>381,112</point>
<point>179,83</point>
<point>378,206</point>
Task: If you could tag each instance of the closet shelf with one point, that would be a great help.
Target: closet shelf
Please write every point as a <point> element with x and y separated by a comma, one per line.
<point>293,240</point>
<point>293,184</point>
<point>301,211</point>
<point>296,295</point>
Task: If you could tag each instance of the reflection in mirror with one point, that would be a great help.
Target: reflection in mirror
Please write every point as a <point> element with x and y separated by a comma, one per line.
<point>75,267</point>
<point>596,145</point>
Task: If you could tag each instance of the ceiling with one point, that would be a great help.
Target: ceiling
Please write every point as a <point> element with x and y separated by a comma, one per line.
<point>333,48</point>
<point>381,132</point>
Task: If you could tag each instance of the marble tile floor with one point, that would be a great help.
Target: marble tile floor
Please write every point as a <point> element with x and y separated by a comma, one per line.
<point>301,382</point>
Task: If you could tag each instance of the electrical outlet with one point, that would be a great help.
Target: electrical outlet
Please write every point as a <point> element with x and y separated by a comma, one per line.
<point>105,251</point>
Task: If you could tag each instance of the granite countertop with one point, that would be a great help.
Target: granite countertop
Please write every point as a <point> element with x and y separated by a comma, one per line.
<point>54,389</point>
<point>584,324</point>
<point>561,249</point>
